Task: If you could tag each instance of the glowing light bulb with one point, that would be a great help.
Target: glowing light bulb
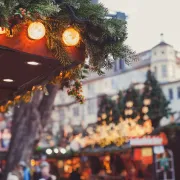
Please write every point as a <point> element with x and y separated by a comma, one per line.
<point>147,102</point>
<point>2,30</point>
<point>36,30</point>
<point>71,37</point>
<point>145,109</point>
<point>49,151</point>
<point>129,104</point>
<point>62,150</point>
<point>56,150</point>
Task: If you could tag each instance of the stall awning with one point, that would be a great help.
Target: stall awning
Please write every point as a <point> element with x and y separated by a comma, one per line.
<point>25,63</point>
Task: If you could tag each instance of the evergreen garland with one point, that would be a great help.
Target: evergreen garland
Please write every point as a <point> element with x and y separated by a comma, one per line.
<point>103,38</point>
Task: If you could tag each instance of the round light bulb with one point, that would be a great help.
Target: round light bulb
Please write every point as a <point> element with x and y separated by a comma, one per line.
<point>147,102</point>
<point>36,30</point>
<point>56,150</point>
<point>145,117</point>
<point>49,151</point>
<point>71,37</point>
<point>145,109</point>
<point>129,104</point>
<point>63,151</point>
<point>2,30</point>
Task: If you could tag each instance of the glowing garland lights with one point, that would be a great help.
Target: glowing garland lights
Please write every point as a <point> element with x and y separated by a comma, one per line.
<point>98,36</point>
<point>2,30</point>
<point>117,134</point>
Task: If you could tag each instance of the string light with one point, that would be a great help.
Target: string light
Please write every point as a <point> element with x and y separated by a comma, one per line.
<point>145,117</point>
<point>36,31</point>
<point>129,104</point>
<point>49,151</point>
<point>130,112</point>
<point>145,109</point>
<point>63,151</point>
<point>71,37</point>
<point>56,150</point>
<point>104,116</point>
<point>118,134</point>
<point>2,30</point>
<point>147,102</point>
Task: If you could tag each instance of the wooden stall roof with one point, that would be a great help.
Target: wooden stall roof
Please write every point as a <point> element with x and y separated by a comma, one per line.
<point>17,51</point>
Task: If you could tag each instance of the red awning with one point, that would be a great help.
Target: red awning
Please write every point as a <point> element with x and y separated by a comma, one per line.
<point>17,51</point>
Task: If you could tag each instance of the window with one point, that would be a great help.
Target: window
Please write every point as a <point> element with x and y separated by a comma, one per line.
<point>170,94</point>
<point>76,111</point>
<point>162,52</point>
<point>178,92</point>
<point>91,106</point>
<point>155,53</point>
<point>155,71</point>
<point>164,70</point>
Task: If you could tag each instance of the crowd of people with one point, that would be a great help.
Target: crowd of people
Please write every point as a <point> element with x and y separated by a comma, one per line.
<point>22,172</point>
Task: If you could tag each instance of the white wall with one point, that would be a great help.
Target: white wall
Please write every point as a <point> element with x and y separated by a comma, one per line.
<point>175,102</point>
<point>121,80</point>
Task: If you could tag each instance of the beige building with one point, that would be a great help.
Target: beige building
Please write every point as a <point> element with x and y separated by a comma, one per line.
<point>163,60</point>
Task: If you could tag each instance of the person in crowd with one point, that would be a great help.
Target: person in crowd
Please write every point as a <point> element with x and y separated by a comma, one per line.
<point>37,172</point>
<point>26,171</point>
<point>45,172</point>
<point>75,175</point>
<point>140,174</point>
<point>16,174</point>
<point>102,173</point>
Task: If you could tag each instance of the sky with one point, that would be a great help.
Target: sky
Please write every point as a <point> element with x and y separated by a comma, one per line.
<point>147,19</point>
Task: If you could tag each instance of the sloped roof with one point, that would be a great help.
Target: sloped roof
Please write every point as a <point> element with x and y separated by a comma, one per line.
<point>162,43</point>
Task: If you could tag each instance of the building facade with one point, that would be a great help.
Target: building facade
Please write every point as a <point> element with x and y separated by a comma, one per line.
<point>162,59</point>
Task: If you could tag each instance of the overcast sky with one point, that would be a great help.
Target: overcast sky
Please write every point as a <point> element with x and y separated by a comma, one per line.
<point>148,19</point>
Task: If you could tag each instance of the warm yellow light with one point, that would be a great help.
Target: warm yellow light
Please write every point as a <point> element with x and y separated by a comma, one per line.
<point>2,30</point>
<point>145,117</point>
<point>129,104</point>
<point>147,102</point>
<point>33,162</point>
<point>145,109</point>
<point>36,30</point>
<point>104,116</point>
<point>71,37</point>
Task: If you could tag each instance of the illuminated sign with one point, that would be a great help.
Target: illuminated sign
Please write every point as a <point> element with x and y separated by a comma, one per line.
<point>148,141</point>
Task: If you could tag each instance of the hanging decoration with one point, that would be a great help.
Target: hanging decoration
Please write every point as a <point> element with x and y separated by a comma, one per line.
<point>71,37</point>
<point>112,134</point>
<point>36,31</point>
<point>2,30</point>
<point>75,91</point>
<point>67,24</point>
